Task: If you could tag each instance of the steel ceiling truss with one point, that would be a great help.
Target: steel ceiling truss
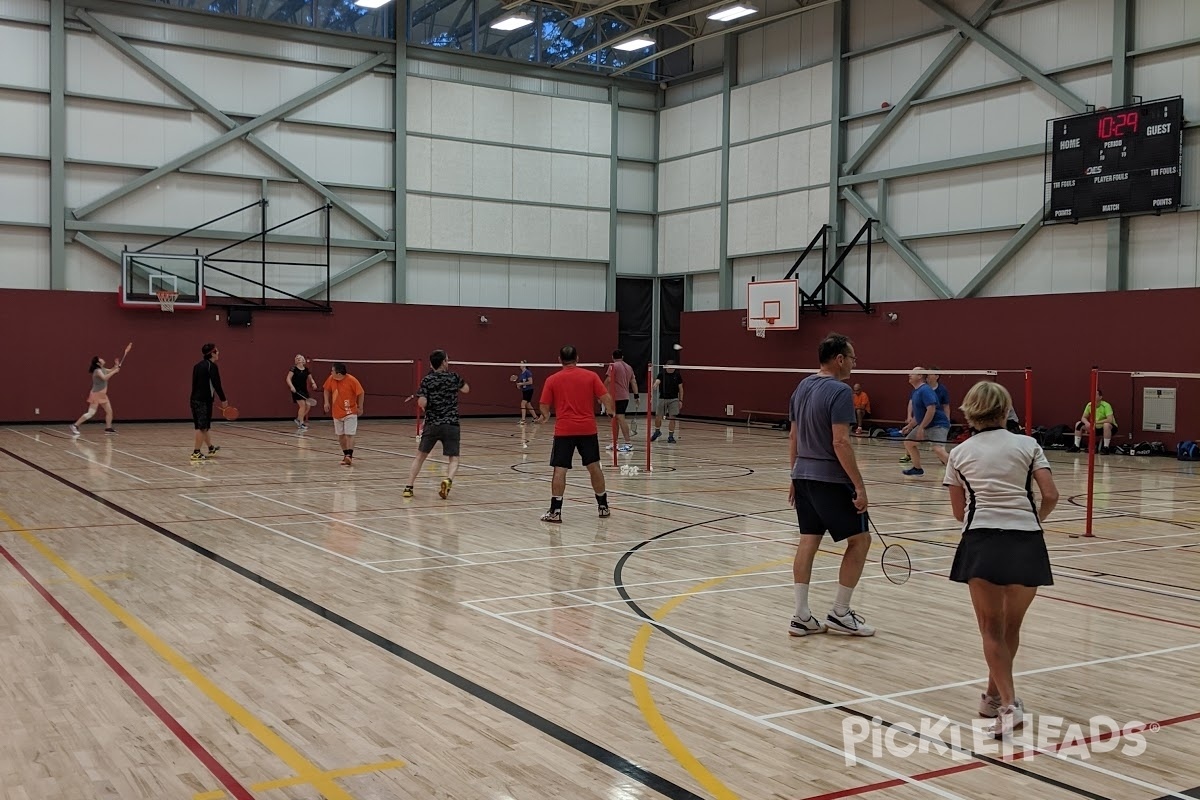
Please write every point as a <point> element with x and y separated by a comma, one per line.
<point>966,30</point>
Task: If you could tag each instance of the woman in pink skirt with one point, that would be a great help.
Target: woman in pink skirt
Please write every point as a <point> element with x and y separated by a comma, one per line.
<point>98,396</point>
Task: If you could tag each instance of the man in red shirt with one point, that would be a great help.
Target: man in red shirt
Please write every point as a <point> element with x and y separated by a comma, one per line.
<point>573,393</point>
<point>622,382</point>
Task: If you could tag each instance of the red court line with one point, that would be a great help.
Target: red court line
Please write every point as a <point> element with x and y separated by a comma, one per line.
<point>966,767</point>
<point>1121,611</point>
<point>206,758</point>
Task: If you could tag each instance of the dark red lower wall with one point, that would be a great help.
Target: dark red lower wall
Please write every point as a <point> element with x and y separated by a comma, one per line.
<point>50,337</point>
<point>1060,336</point>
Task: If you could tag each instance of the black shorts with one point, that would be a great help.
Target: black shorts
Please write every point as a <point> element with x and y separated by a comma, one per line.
<point>448,435</point>
<point>565,446</point>
<point>298,397</point>
<point>1005,558</point>
<point>527,395</point>
<point>1079,426</point>
<point>202,414</point>
<point>823,506</point>
<point>622,405</point>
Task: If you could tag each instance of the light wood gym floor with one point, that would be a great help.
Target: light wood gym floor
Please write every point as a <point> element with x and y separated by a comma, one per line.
<point>274,625</point>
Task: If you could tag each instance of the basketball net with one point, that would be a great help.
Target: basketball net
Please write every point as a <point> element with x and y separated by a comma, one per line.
<point>166,299</point>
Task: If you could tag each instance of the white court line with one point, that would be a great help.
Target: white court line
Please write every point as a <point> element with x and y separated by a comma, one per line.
<point>361,447</point>
<point>347,523</point>
<point>280,533</point>
<point>164,466</point>
<point>27,436</point>
<point>359,484</point>
<point>106,466</point>
<point>703,578</point>
<point>579,555</point>
<point>556,547</point>
<point>826,680</point>
<point>976,681</point>
<point>924,786</point>
<point>450,514</point>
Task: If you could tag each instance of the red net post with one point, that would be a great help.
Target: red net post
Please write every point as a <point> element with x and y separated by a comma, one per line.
<point>1091,472</point>
<point>416,385</point>
<point>1028,401</point>
<point>649,411</point>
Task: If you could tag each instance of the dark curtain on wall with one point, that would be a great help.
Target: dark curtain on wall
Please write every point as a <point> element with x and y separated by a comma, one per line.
<point>670,311</point>
<point>635,321</point>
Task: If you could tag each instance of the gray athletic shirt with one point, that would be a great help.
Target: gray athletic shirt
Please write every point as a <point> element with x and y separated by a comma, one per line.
<point>818,403</point>
<point>99,382</point>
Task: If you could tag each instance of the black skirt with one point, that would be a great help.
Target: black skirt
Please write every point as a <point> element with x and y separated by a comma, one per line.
<point>1005,558</point>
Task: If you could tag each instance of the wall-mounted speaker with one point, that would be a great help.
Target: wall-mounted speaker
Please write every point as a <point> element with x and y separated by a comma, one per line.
<point>239,316</point>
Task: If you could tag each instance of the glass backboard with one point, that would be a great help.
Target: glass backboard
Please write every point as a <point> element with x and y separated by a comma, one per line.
<point>144,275</point>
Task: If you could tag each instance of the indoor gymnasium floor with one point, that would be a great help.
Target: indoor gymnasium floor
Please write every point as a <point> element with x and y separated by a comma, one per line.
<point>271,624</point>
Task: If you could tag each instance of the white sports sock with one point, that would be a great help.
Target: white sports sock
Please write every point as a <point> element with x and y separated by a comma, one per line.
<point>1078,441</point>
<point>802,609</point>
<point>1108,442</point>
<point>841,601</point>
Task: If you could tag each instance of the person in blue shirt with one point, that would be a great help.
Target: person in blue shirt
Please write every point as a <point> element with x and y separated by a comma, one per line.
<point>933,377</point>
<point>525,384</point>
<point>927,421</point>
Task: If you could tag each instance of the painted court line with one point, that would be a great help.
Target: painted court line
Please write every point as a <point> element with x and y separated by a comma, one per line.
<point>417,545</point>
<point>189,473</point>
<point>281,533</point>
<point>107,466</point>
<point>251,724</point>
<point>737,712</point>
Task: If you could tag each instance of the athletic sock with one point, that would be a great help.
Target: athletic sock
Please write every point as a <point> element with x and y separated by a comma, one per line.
<point>602,499</point>
<point>802,609</point>
<point>556,503</point>
<point>1108,443</point>
<point>345,452</point>
<point>1078,441</point>
<point>350,452</point>
<point>841,601</point>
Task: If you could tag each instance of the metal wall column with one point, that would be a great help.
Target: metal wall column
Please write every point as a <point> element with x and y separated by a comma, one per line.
<point>1116,275</point>
<point>838,104</point>
<point>724,264</point>
<point>610,283</point>
<point>58,144</point>
<point>400,168</point>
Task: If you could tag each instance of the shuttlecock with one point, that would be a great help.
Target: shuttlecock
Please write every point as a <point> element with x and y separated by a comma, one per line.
<point>677,346</point>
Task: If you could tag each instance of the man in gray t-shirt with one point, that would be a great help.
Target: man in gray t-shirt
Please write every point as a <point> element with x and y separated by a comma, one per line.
<point>827,488</point>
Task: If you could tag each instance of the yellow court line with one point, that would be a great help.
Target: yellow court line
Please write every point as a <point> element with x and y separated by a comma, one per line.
<point>303,768</point>
<point>284,783</point>
<point>645,700</point>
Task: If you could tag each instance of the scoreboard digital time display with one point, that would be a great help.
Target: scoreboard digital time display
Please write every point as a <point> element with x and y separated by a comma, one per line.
<point>1115,162</point>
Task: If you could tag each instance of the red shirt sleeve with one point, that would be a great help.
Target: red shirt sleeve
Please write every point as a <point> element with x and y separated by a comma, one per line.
<point>547,398</point>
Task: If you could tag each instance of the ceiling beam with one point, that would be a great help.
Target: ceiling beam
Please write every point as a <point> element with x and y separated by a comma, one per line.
<point>914,261</point>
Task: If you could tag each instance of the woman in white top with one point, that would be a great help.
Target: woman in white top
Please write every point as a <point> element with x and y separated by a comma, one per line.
<point>98,396</point>
<point>1002,555</point>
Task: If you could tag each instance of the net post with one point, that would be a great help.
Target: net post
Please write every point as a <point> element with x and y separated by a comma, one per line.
<point>649,410</point>
<point>416,384</point>
<point>1028,401</point>
<point>1091,471</point>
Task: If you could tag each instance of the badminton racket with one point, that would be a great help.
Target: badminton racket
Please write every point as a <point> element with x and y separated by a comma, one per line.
<point>230,413</point>
<point>125,355</point>
<point>311,401</point>
<point>512,378</point>
<point>896,565</point>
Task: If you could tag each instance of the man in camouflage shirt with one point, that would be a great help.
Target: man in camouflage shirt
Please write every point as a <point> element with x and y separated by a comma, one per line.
<point>438,397</point>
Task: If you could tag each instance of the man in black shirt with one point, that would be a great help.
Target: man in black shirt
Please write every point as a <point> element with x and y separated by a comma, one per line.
<point>438,396</point>
<point>669,385</point>
<point>206,381</point>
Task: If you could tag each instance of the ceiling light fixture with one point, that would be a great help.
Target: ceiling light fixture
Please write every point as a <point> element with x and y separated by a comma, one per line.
<point>371,3</point>
<point>730,13</point>
<point>512,22</point>
<point>637,43</point>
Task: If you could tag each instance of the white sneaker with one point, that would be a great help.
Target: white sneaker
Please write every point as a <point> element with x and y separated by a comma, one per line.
<point>74,430</point>
<point>804,627</point>
<point>625,448</point>
<point>1008,719</point>
<point>989,705</point>
<point>850,624</point>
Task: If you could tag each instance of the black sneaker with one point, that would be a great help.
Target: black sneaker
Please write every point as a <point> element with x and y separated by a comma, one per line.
<point>212,451</point>
<point>110,431</point>
<point>604,512</point>
<point>553,515</point>
<point>1072,448</point>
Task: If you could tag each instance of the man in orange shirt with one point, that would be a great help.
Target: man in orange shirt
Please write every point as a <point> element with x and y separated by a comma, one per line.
<point>344,396</point>
<point>862,406</point>
<point>573,393</point>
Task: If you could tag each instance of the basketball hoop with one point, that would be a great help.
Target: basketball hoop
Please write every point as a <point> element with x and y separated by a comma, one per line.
<point>166,299</point>
<point>761,330</point>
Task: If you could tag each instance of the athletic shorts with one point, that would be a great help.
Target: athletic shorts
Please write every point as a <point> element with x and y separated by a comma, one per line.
<point>1079,426</point>
<point>527,395</point>
<point>935,435</point>
<point>622,405</point>
<point>346,426</point>
<point>449,435</point>
<point>97,398</point>
<point>202,414</point>
<point>823,506</point>
<point>1005,558</point>
<point>565,446</point>
<point>667,408</point>
<point>299,397</point>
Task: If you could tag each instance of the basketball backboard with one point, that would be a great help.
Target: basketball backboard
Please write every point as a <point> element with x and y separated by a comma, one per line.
<point>143,275</point>
<point>773,305</point>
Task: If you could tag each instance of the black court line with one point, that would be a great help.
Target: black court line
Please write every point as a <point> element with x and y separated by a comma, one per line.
<point>618,581</point>
<point>564,736</point>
